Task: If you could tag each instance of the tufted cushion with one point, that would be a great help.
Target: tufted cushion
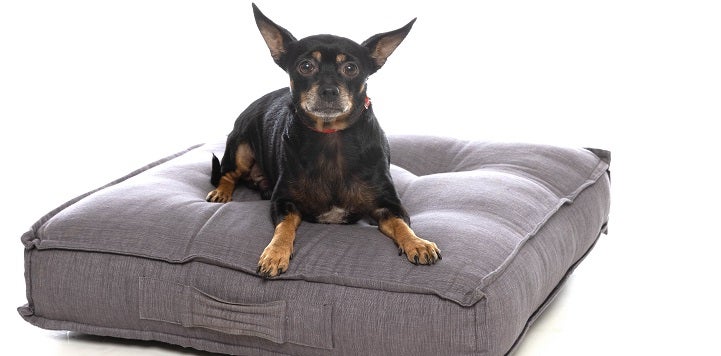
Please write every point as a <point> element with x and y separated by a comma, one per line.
<point>146,257</point>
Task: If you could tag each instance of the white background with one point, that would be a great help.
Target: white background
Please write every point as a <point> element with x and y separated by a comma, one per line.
<point>90,90</point>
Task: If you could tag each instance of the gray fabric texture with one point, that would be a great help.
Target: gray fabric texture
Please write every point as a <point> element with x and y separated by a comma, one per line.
<point>146,257</point>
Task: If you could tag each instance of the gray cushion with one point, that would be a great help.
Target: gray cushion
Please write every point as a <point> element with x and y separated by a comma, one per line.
<point>146,257</point>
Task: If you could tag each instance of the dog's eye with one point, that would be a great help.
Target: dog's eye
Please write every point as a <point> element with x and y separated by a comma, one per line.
<point>306,67</point>
<point>350,69</point>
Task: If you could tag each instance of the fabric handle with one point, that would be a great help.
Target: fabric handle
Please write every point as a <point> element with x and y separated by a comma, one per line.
<point>276,321</point>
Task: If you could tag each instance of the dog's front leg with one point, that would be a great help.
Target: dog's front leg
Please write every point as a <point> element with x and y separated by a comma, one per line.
<point>395,225</point>
<point>275,258</point>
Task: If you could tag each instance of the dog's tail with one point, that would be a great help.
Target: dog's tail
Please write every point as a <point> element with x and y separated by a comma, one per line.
<point>215,172</point>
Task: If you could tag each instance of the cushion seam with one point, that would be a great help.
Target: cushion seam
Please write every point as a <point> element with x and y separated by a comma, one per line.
<point>593,178</point>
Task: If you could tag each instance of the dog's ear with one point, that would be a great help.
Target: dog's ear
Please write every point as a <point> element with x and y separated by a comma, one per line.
<point>276,37</point>
<point>383,44</point>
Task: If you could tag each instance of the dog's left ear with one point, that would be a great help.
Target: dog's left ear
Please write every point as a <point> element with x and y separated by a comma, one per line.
<point>276,37</point>
<point>383,44</point>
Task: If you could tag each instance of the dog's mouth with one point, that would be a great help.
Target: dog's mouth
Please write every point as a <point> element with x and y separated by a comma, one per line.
<point>326,108</point>
<point>325,112</point>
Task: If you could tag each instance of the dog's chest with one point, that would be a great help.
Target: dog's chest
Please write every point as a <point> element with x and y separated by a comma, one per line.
<point>336,215</point>
<point>326,187</point>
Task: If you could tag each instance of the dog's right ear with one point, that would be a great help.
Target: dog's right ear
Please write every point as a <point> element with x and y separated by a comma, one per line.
<point>276,37</point>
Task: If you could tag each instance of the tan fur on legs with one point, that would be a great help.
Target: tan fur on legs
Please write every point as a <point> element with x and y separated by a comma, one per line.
<point>244,160</point>
<point>417,250</point>
<point>276,257</point>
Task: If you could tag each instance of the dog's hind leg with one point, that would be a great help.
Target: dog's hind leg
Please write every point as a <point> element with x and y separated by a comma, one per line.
<point>244,162</point>
<point>257,180</point>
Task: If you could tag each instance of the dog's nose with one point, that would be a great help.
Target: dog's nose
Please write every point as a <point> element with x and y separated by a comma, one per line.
<point>329,92</point>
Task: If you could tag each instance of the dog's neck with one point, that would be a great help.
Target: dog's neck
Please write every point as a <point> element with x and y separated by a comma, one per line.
<point>325,131</point>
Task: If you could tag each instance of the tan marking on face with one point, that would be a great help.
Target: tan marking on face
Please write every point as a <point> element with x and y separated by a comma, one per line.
<point>316,55</point>
<point>340,58</point>
<point>309,101</point>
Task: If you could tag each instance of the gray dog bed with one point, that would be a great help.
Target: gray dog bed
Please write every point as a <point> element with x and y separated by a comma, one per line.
<point>145,257</point>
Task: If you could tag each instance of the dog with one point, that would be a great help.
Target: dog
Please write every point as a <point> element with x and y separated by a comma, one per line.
<point>316,149</point>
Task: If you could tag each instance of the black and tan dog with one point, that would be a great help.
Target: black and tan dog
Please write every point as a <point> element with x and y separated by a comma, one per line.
<point>316,150</point>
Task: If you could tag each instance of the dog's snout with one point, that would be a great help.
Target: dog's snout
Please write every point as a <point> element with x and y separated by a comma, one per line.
<point>329,92</point>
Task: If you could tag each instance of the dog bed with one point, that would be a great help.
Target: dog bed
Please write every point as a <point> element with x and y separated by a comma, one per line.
<point>146,257</point>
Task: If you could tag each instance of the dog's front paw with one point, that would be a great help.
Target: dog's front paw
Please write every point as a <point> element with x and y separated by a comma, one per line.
<point>219,196</point>
<point>274,260</point>
<point>420,251</point>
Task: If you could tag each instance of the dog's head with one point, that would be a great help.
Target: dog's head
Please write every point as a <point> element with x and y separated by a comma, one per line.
<point>328,73</point>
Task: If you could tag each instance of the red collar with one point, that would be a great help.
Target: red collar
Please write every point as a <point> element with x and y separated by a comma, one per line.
<point>366,105</point>
<point>325,131</point>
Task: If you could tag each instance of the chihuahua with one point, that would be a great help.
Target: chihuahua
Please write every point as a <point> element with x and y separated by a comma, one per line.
<point>316,149</point>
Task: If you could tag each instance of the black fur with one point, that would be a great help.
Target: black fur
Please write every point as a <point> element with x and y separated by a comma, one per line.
<point>316,148</point>
<point>289,151</point>
<point>215,171</point>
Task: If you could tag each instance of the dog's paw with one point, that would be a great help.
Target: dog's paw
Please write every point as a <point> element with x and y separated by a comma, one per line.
<point>219,196</point>
<point>274,260</point>
<point>420,251</point>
